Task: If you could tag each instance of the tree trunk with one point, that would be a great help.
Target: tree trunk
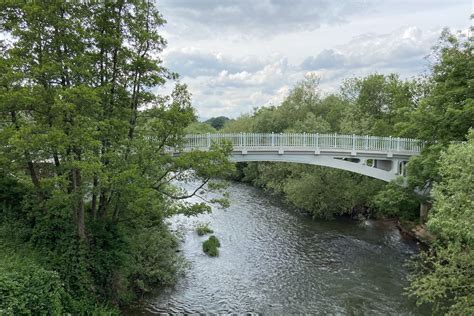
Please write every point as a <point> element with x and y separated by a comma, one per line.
<point>95,183</point>
<point>30,165</point>
<point>79,205</point>
<point>424,208</point>
<point>103,204</point>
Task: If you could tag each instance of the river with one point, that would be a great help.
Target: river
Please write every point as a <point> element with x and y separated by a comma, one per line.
<point>276,261</point>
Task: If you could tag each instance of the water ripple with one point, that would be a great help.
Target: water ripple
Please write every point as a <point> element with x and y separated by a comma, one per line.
<point>274,261</point>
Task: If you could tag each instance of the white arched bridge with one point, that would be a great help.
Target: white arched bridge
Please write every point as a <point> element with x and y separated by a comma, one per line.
<point>382,158</point>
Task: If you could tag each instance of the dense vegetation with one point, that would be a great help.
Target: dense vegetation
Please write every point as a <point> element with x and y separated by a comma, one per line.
<point>438,109</point>
<point>363,106</point>
<point>211,125</point>
<point>445,274</point>
<point>84,193</point>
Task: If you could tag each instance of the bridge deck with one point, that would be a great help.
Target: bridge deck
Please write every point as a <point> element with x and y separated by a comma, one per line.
<point>297,142</point>
<point>382,158</point>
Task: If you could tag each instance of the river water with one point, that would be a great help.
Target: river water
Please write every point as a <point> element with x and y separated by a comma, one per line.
<point>276,261</point>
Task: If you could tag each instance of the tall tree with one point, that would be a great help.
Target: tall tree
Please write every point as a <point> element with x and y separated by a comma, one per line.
<point>444,276</point>
<point>75,78</point>
<point>446,112</point>
<point>374,104</point>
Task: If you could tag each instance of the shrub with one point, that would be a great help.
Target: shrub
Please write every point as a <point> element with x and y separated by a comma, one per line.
<point>154,262</point>
<point>203,229</point>
<point>32,290</point>
<point>396,201</point>
<point>210,246</point>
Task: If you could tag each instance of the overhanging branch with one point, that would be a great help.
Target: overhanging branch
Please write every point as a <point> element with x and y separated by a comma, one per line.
<point>187,196</point>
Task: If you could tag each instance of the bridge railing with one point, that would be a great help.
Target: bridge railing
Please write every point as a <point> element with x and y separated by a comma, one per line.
<point>306,140</point>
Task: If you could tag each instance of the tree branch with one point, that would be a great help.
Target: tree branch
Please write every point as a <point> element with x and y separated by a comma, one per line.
<point>182,197</point>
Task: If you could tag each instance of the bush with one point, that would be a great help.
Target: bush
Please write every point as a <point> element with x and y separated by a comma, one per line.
<point>33,290</point>
<point>203,229</point>
<point>396,201</point>
<point>154,262</point>
<point>210,246</point>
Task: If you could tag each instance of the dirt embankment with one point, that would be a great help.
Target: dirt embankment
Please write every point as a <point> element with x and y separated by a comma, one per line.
<point>419,233</point>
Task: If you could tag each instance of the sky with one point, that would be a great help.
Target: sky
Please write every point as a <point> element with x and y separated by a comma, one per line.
<point>238,55</point>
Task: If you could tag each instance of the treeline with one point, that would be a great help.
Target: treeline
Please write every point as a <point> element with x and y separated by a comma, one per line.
<point>437,108</point>
<point>373,105</point>
<point>84,193</point>
<point>363,106</point>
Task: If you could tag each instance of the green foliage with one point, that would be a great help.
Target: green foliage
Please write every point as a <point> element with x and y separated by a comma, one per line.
<point>203,229</point>
<point>85,176</point>
<point>217,122</point>
<point>397,201</point>
<point>423,169</point>
<point>453,207</point>
<point>31,290</point>
<point>446,111</point>
<point>243,124</point>
<point>115,267</point>
<point>375,103</point>
<point>311,124</point>
<point>199,128</point>
<point>332,192</point>
<point>443,277</point>
<point>154,262</point>
<point>211,246</point>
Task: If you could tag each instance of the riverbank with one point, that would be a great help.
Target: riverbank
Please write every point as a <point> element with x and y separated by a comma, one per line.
<point>416,232</point>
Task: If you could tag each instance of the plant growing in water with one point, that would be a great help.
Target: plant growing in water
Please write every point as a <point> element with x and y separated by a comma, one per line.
<point>203,229</point>
<point>210,246</point>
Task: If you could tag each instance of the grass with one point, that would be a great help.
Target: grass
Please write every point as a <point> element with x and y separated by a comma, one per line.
<point>203,229</point>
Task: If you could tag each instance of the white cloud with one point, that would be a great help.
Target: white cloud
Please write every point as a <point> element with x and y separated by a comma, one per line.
<point>234,93</point>
<point>244,54</point>
<point>222,85</point>
<point>403,48</point>
<point>194,62</point>
<point>246,18</point>
<point>268,75</point>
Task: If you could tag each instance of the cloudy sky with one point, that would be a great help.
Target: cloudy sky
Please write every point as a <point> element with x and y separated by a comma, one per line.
<point>237,55</point>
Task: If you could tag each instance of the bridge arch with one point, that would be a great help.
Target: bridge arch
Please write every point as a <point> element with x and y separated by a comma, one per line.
<point>359,167</point>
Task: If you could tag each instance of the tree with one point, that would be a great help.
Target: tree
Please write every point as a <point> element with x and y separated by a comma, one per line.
<point>446,112</point>
<point>77,76</point>
<point>242,124</point>
<point>374,104</point>
<point>444,276</point>
<point>74,82</point>
<point>199,128</point>
<point>217,122</point>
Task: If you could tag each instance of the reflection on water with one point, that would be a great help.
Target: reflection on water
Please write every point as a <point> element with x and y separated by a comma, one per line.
<point>276,261</point>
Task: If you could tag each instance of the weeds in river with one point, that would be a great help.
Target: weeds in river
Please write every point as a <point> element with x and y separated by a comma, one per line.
<point>210,246</point>
<point>203,229</point>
